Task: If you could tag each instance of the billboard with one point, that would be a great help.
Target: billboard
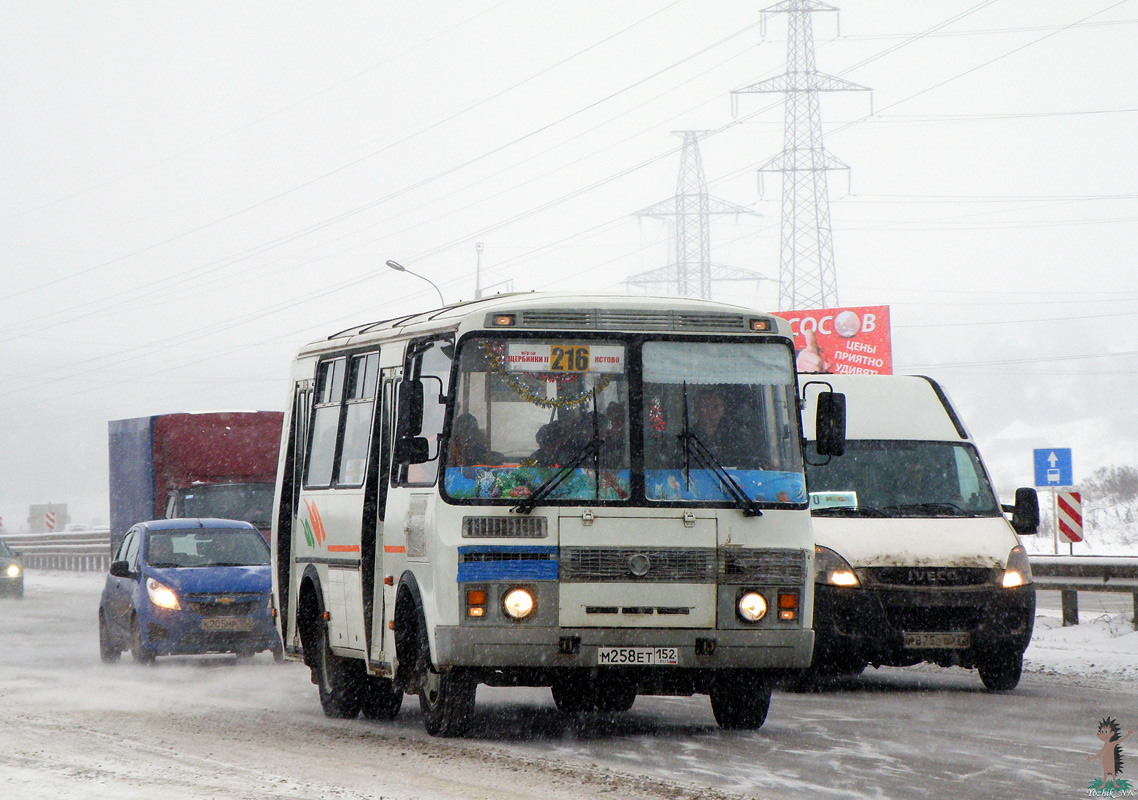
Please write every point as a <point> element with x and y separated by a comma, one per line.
<point>844,341</point>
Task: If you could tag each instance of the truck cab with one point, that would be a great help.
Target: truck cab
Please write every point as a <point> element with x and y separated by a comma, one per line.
<point>915,560</point>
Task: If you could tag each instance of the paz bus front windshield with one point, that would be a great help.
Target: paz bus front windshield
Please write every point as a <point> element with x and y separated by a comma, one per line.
<point>624,420</point>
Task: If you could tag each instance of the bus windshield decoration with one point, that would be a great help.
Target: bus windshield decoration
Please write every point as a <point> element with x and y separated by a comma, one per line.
<point>520,418</point>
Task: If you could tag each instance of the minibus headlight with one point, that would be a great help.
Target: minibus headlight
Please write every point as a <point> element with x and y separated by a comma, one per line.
<point>518,603</point>
<point>831,569</point>
<point>162,596</point>
<point>13,570</point>
<point>751,607</point>
<point>1018,570</point>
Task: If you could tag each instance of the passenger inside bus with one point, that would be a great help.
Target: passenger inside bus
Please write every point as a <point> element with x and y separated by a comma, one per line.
<point>468,445</point>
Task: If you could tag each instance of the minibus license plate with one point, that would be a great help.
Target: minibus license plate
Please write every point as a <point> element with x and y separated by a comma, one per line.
<point>227,624</point>
<point>638,656</point>
<point>938,641</point>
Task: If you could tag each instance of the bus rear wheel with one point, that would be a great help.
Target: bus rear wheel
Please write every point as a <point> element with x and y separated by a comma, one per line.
<point>381,700</point>
<point>573,694</point>
<point>340,680</point>
<point>613,694</point>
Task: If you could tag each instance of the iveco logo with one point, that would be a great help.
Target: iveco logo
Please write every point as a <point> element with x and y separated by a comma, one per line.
<point>639,565</point>
<point>932,575</point>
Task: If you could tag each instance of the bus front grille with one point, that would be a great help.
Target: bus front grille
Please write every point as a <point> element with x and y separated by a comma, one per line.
<point>637,565</point>
<point>504,527</point>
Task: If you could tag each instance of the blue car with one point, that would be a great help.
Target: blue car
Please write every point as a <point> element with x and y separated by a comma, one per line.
<point>188,586</point>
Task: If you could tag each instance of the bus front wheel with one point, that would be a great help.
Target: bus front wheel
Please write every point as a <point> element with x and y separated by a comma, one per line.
<point>740,703</point>
<point>447,700</point>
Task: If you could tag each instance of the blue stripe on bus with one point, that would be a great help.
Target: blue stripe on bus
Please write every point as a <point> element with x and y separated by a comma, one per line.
<point>543,567</point>
<point>479,571</point>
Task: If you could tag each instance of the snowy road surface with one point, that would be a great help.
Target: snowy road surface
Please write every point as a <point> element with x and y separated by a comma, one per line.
<point>211,728</point>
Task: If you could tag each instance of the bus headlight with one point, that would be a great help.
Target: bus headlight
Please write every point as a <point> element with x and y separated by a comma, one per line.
<point>162,596</point>
<point>831,569</point>
<point>1018,570</point>
<point>518,603</point>
<point>751,607</point>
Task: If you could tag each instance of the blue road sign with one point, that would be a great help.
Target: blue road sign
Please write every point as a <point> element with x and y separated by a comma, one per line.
<point>1053,467</point>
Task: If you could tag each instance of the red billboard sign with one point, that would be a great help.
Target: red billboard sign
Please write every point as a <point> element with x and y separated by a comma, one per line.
<point>844,341</point>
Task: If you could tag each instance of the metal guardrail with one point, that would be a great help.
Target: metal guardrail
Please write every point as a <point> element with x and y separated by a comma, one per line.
<point>1073,574</point>
<point>74,551</point>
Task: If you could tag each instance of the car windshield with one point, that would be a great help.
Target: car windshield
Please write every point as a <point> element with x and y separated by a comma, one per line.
<point>206,547</point>
<point>902,479</point>
<point>248,502</point>
<point>4,551</point>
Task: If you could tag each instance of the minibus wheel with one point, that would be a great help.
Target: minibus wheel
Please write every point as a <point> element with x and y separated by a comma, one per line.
<point>446,697</point>
<point>1001,673</point>
<point>381,700</point>
<point>740,702</point>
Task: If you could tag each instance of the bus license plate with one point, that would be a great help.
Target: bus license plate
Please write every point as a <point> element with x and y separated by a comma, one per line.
<point>638,656</point>
<point>938,641</point>
<point>227,624</point>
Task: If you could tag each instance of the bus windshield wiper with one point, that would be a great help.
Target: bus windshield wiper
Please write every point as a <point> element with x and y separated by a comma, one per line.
<point>847,511</point>
<point>944,508</point>
<point>709,462</point>
<point>589,448</point>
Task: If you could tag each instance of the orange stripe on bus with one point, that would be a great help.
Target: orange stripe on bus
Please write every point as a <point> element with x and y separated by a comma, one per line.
<point>343,548</point>
<point>392,548</point>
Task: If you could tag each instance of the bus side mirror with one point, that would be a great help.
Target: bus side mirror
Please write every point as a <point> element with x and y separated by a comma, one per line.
<point>1025,513</point>
<point>830,424</point>
<point>409,411</point>
<point>412,450</point>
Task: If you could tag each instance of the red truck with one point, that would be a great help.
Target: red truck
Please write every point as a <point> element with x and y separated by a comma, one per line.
<point>220,464</point>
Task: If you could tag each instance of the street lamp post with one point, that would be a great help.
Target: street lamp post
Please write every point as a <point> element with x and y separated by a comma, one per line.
<point>395,265</point>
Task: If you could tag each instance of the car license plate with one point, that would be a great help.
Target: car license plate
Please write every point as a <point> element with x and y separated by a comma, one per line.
<point>938,641</point>
<point>637,656</point>
<point>227,624</point>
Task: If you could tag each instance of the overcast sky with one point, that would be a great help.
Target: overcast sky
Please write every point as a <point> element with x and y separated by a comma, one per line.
<point>191,191</point>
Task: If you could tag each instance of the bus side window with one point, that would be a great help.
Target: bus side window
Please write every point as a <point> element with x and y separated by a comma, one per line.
<point>428,361</point>
<point>325,423</point>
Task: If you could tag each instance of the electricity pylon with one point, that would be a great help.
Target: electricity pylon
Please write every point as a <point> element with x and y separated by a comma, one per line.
<point>806,277</point>
<point>692,273</point>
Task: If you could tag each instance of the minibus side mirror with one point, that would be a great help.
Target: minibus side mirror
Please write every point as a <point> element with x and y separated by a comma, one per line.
<point>121,569</point>
<point>830,424</point>
<point>1025,513</point>
<point>410,411</point>
<point>412,450</point>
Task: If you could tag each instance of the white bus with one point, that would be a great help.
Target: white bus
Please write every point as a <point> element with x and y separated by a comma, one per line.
<point>599,494</point>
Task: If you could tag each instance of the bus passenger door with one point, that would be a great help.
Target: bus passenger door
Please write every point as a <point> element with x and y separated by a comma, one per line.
<point>377,596</point>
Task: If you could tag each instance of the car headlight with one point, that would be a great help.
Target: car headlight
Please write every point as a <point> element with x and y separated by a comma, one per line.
<point>13,570</point>
<point>518,603</point>
<point>1018,570</point>
<point>751,607</point>
<point>831,569</point>
<point>161,595</point>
